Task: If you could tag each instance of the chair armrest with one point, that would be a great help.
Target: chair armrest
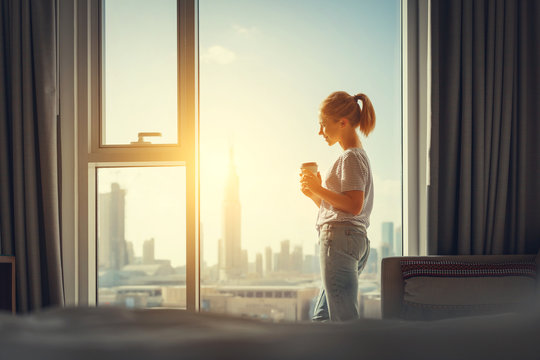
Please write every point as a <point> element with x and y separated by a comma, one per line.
<point>392,284</point>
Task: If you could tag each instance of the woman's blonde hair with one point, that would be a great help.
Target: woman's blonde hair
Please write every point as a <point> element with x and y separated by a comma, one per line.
<point>340,104</point>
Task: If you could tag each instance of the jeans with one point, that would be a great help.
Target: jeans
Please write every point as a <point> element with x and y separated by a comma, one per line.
<point>344,250</point>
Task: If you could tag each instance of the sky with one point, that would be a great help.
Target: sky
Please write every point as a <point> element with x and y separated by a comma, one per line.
<point>265,66</point>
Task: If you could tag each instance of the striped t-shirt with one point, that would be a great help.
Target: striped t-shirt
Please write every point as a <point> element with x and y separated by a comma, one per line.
<point>351,171</point>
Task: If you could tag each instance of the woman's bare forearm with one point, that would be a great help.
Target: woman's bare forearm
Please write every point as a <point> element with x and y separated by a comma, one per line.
<point>317,201</point>
<point>339,201</point>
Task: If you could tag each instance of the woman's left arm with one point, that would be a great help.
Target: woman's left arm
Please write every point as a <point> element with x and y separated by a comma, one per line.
<point>348,201</point>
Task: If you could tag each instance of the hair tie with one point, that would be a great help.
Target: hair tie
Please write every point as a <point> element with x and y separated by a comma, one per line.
<point>357,97</point>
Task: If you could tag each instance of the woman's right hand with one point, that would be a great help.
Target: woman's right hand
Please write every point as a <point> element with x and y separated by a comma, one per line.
<point>305,189</point>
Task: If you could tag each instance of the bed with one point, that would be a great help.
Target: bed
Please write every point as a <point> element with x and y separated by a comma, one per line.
<point>117,333</point>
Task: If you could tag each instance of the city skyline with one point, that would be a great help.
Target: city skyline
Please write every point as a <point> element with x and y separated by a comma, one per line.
<point>115,250</point>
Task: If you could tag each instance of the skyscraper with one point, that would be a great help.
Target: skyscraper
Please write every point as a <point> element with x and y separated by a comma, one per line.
<point>148,251</point>
<point>244,269</point>
<point>112,251</point>
<point>398,242</point>
<point>130,252</point>
<point>231,260</point>
<point>284,262</point>
<point>259,264</point>
<point>387,245</point>
<point>268,259</point>
<point>372,264</point>
<point>297,259</point>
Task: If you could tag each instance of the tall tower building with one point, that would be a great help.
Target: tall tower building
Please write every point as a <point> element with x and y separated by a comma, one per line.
<point>259,264</point>
<point>245,262</point>
<point>268,260</point>
<point>387,239</point>
<point>373,262</point>
<point>112,248</point>
<point>130,252</point>
<point>148,251</point>
<point>284,257</point>
<point>297,259</point>
<point>398,242</point>
<point>231,259</point>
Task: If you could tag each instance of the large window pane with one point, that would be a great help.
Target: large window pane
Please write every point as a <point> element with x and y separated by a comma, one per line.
<point>264,69</point>
<point>141,213</point>
<point>139,71</point>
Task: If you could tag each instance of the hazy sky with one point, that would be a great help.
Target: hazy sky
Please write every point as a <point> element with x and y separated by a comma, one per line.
<point>265,66</point>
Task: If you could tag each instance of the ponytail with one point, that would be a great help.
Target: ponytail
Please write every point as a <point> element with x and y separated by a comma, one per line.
<point>366,118</point>
<point>340,104</point>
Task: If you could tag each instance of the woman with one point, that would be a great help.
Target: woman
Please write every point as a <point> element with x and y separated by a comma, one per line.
<point>345,202</point>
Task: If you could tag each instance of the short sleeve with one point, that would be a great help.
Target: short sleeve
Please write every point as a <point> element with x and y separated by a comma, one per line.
<point>354,172</point>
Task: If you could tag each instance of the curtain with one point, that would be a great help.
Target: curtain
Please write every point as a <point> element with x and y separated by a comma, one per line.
<point>29,173</point>
<point>484,188</point>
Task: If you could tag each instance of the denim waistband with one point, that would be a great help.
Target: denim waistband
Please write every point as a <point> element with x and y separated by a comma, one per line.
<point>342,225</point>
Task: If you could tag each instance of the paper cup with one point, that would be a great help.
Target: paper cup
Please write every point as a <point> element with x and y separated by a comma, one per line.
<point>311,166</point>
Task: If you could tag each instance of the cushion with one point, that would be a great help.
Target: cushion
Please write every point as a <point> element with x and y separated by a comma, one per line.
<point>440,289</point>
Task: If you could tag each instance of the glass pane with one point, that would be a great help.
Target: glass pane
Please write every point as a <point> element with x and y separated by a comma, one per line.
<point>263,73</point>
<point>141,234</point>
<point>139,72</point>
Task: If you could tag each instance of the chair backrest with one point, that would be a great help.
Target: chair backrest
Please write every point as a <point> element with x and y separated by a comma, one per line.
<point>392,282</point>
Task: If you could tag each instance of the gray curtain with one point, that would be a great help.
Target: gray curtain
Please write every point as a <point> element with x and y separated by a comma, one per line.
<point>484,193</point>
<point>29,196</point>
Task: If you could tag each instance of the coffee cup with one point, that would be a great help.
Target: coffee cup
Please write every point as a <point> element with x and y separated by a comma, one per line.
<point>311,166</point>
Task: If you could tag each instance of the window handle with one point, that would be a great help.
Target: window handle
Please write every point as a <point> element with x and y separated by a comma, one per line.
<point>142,135</point>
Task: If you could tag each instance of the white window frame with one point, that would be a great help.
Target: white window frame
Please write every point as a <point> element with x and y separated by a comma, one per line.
<point>80,116</point>
<point>416,102</point>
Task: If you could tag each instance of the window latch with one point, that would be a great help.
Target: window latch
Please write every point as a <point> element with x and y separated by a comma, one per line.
<point>142,135</point>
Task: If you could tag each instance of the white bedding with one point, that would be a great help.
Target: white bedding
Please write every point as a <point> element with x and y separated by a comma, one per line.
<point>111,333</point>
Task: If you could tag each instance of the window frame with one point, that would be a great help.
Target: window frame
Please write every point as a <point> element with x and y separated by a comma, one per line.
<point>416,112</point>
<point>186,73</point>
<point>80,59</point>
<point>78,82</point>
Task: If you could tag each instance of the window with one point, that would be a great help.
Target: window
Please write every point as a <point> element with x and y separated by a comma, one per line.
<point>264,69</point>
<point>141,207</point>
<point>140,157</point>
<point>258,65</point>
